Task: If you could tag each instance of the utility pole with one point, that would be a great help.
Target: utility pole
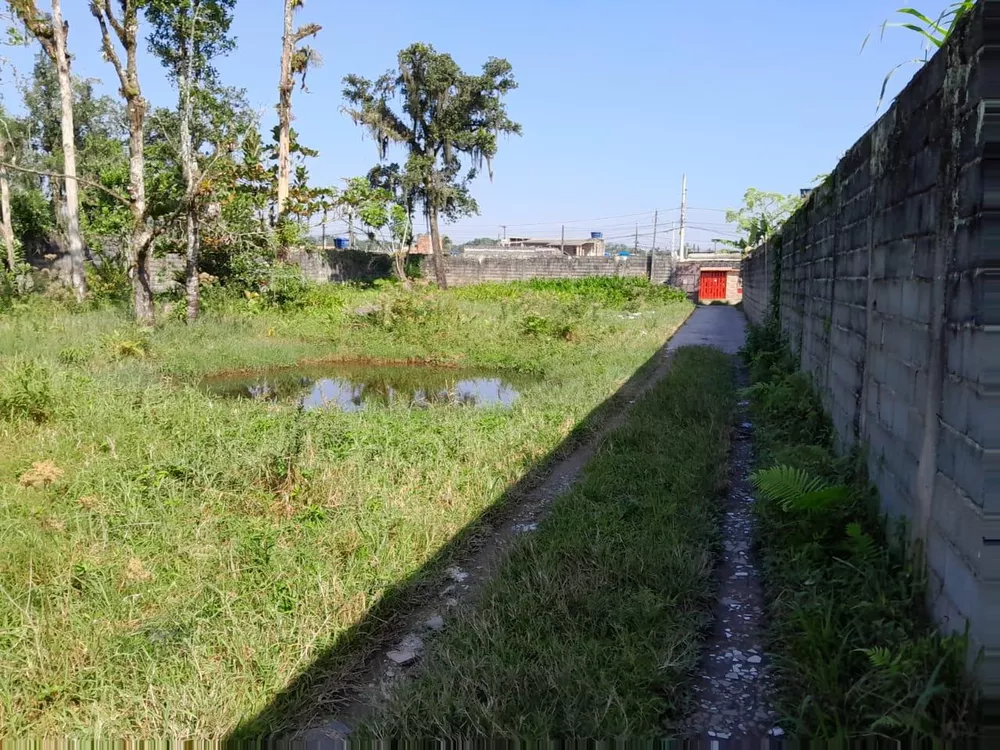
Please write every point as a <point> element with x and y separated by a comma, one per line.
<point>684,203</point>
<point>673,238</point>
<point>656,218</point>
<point>562,240</point>
<point>636,248</point>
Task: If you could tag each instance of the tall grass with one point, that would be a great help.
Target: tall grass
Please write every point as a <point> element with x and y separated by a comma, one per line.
<point>593,623</point>
<point>185,557</point>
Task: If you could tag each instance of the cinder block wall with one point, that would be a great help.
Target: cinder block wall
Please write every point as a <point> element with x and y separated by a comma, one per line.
<point>887,285</point>
<point>338,265</point>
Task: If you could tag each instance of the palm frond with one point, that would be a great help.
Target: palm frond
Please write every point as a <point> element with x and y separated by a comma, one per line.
<point>796,489</point>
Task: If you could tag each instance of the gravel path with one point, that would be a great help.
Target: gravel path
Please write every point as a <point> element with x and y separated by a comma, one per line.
<point>733,693</point>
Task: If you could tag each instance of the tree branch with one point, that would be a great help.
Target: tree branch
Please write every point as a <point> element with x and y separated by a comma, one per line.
<point>117,25</point>
<point>107,44</point>
<point>82,180</point>
<point>302,32</point>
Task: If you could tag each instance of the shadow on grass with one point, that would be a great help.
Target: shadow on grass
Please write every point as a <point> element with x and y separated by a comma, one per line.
<point>323,689</point>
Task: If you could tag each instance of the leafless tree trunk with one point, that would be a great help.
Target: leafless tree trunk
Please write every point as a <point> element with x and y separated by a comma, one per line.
<point>192,178</point>
<point>126,30</point>
<point>71,207</point>
<point>8,227</point>
<point>285,86</point>
<point>290,65</point>
<point>52,34</point>
<point>436,249</point>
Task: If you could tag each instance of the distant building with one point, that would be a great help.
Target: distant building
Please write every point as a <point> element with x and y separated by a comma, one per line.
<point>422,246</point>
<point>572,247</point>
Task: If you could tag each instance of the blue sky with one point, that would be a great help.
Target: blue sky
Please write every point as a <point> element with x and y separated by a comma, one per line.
<point>617,99</point>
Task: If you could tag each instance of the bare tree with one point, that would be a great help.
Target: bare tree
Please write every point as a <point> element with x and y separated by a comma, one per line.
<point>125,28</point>
<point>52,32</point>
<point>295,61</point>
<point>7,227</point>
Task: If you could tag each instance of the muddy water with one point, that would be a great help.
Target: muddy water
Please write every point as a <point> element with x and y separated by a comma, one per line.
<point>352,387</point>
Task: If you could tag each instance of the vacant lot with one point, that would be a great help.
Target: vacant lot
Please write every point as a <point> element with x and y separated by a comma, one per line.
<point>172,558</point>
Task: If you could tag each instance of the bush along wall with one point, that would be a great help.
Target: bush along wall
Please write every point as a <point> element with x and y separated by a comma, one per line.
<point>855,649</point>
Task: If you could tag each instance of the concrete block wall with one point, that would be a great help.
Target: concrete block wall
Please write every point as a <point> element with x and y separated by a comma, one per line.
<point>338,265</point>
<point>461,270</point>
<point>887,286</point>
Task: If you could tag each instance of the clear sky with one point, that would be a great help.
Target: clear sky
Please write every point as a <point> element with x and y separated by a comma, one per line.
<point>617,99</point>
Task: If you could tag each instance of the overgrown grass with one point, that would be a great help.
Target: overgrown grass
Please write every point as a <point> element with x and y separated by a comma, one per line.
<point>593,623</point>
<point>170,561</point>
<point>856,651</point>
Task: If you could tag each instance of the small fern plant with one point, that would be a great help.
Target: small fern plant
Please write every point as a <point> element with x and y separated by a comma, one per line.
<point>796,490</point>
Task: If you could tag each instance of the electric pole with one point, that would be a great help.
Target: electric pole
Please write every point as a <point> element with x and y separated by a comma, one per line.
<point>656,218</point>
<point>562,240</point>
<point>673,238</point>
<point>636,248</point>
<point>684,203</point>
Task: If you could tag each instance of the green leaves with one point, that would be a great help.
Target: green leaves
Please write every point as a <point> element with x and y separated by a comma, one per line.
<point>934,32</point>
<point>797,490</point>
<point>446,113</point>
<point>761,215</point>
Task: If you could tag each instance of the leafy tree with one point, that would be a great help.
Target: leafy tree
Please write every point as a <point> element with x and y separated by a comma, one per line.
<point>187,35</point>
<point>384,219</point>
<point>761,215</point>
<point>481,242</point>
<point>445,113</point>
<point>296,61</point>
<point>52,32</point>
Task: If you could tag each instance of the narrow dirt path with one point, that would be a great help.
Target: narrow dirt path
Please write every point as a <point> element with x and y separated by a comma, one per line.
<point>464,580</point>
<point>734,691</point>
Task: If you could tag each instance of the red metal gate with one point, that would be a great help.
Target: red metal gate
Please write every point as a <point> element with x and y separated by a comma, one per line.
<point>713,285</point>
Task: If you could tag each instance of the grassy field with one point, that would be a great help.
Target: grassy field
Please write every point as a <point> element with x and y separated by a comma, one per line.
<point>172,560</point>
<point>594,623</point>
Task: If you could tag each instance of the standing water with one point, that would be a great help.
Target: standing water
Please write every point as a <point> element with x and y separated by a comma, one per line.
<point>352,386</point>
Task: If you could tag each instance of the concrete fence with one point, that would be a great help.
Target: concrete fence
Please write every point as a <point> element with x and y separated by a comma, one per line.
<point>887,285</point>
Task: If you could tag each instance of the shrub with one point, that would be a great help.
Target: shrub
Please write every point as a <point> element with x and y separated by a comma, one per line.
<point>403,308</point>
<point>108,281</point>
<point>25,391</point>
<point>73,355</point>
<point>131,345</point>
<point>539,325</point>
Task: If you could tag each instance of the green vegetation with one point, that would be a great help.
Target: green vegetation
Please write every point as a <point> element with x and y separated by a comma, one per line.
<point>172,560</point>
<point>592,625</point>
<point>856,651</point>
<point>933,32</point>
<point>761,215</point>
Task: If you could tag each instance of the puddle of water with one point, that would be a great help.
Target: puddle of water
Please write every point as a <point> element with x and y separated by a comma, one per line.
<point>351,387</point>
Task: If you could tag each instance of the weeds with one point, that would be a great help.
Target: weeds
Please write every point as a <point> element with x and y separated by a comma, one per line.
<point>25,391</point>
<point>539,325</point>
<point>592,625</point>
<point>611,292</point>
<point>194,542</point>
<point>126,345</point>
<point>856,651</point>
